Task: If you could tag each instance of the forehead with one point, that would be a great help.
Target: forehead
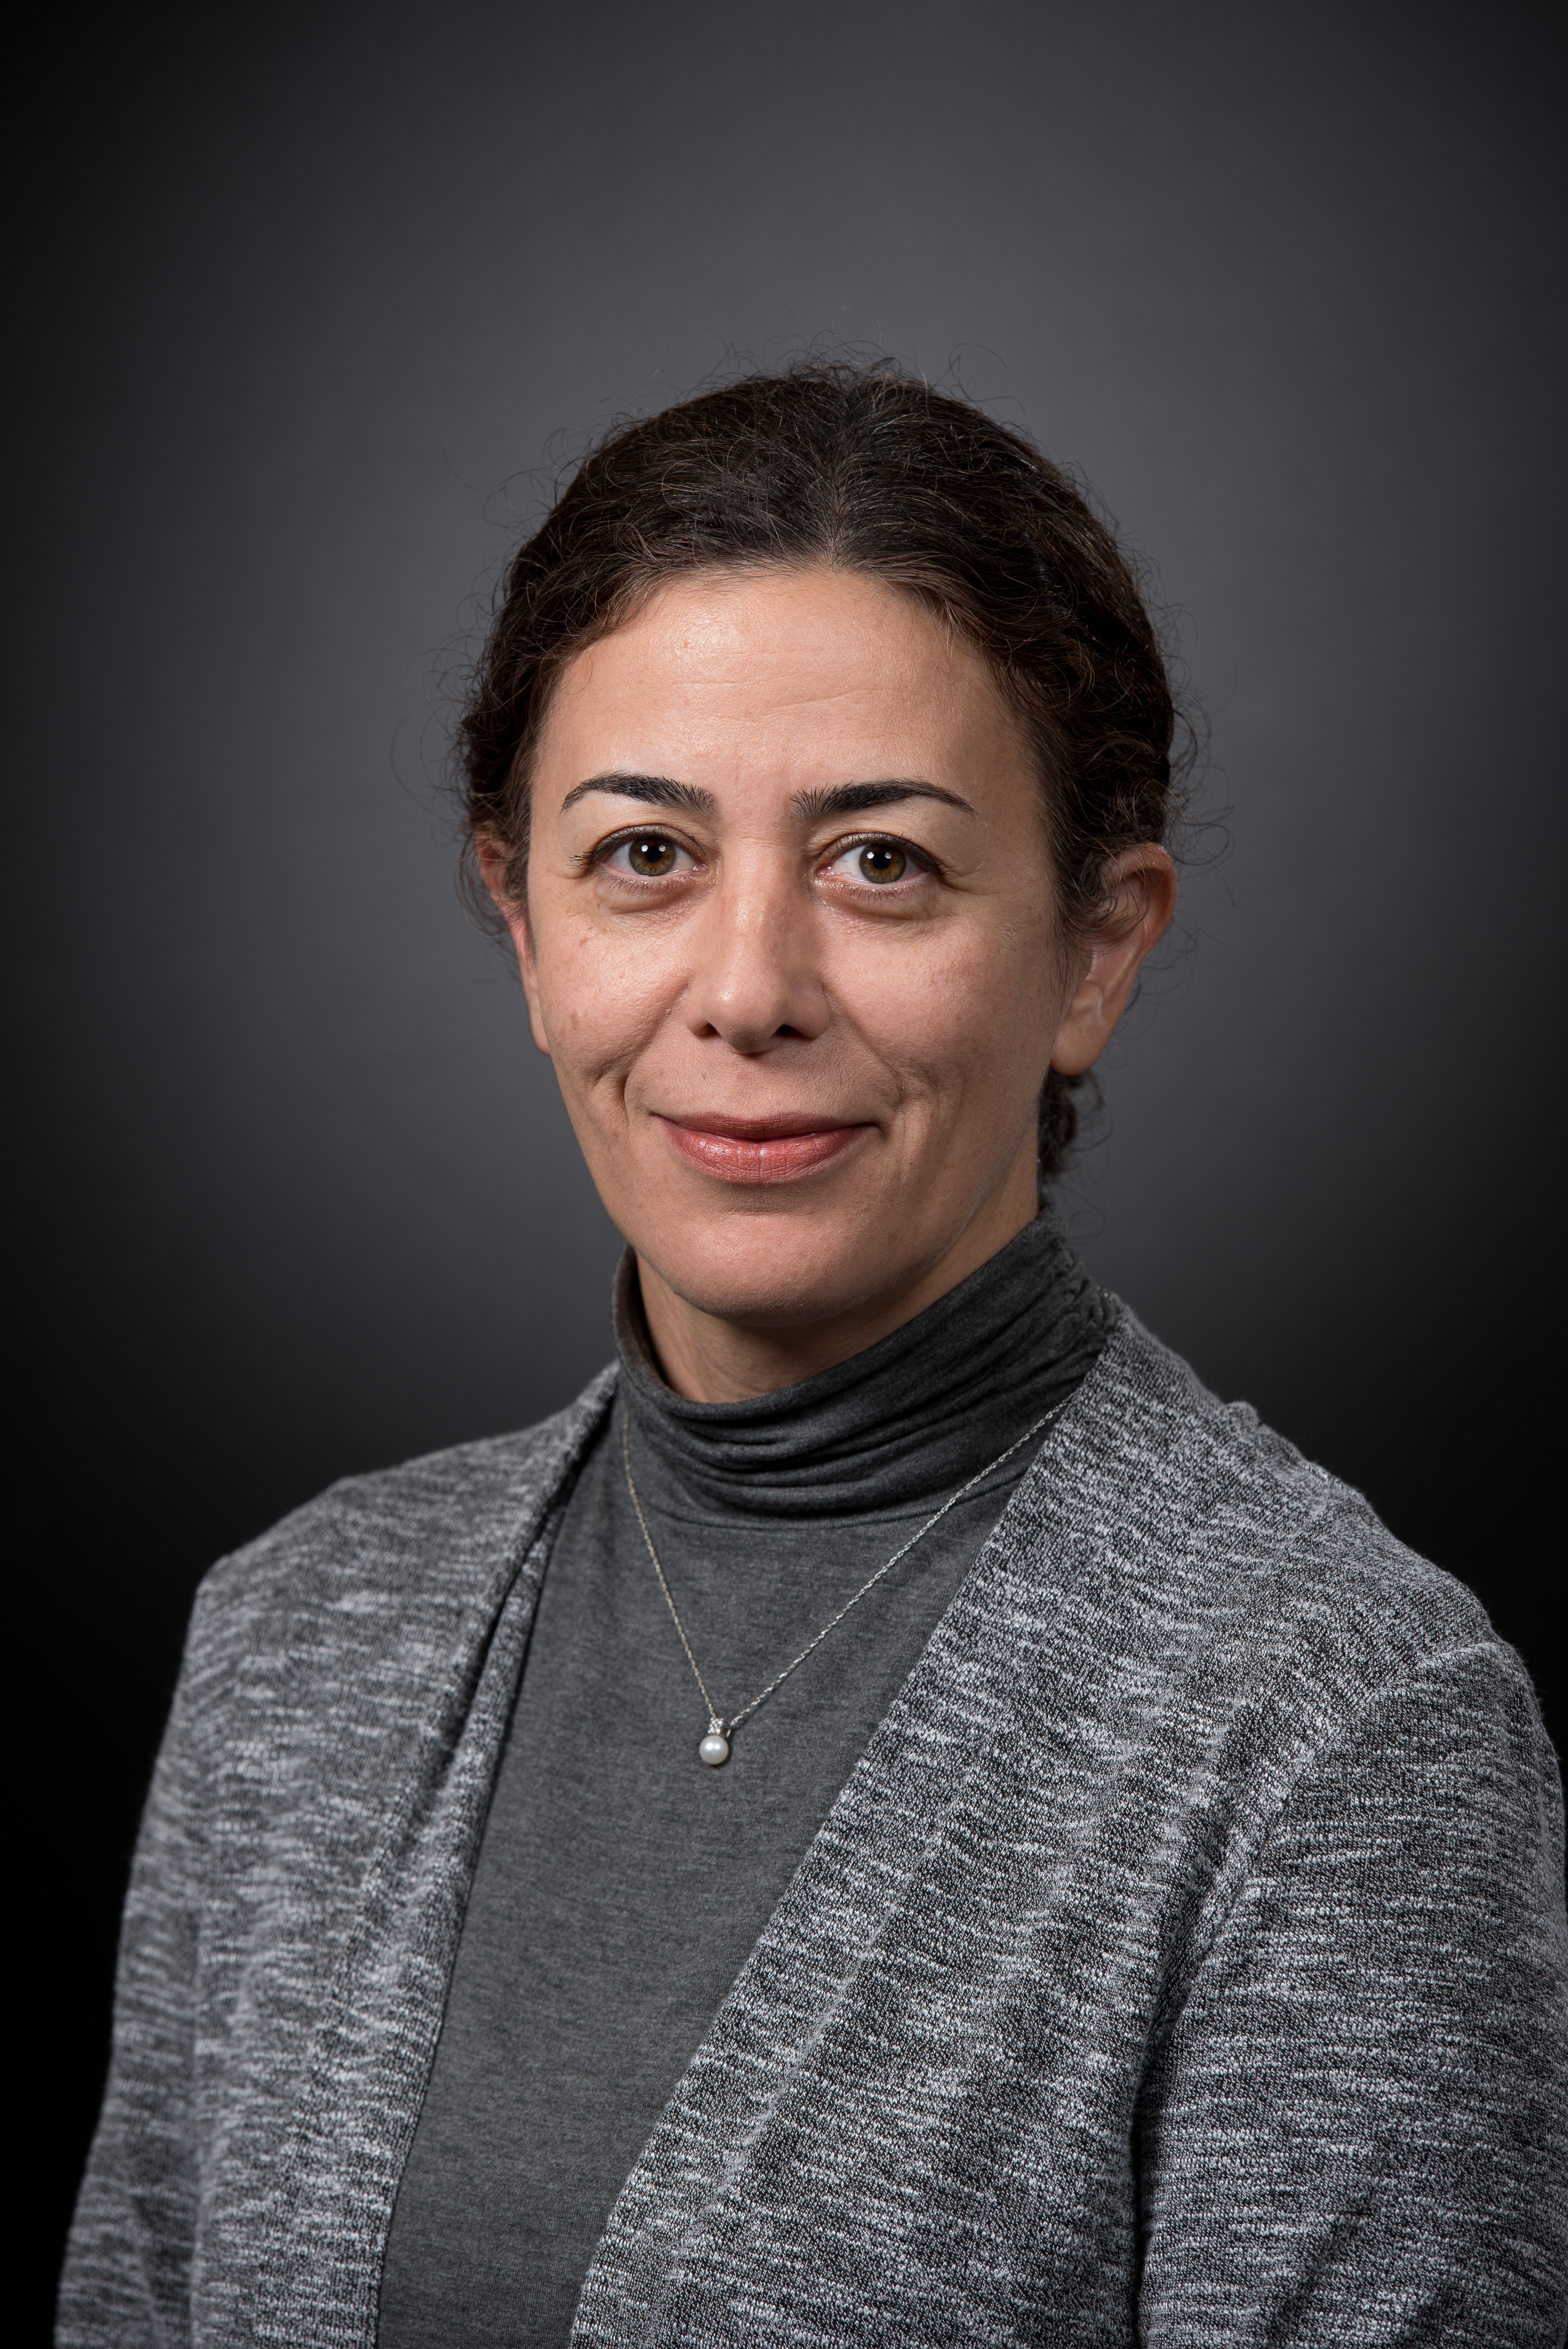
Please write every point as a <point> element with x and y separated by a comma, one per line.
<point>803,671</point>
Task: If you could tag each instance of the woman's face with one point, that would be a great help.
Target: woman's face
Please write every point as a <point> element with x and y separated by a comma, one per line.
<point>791,944</point>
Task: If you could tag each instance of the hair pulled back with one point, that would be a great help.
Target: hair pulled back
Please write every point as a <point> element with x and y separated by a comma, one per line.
<point>867,469</point>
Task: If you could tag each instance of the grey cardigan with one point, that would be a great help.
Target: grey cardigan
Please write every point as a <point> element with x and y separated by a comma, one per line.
<point>1182,1962</point>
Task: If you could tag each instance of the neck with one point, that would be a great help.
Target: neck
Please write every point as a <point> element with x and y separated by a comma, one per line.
<point>707,1357</point>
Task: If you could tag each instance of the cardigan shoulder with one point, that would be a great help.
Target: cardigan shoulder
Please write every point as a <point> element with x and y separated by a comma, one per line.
<point>388,1569</point>
<point>1250,1563</point>
<point>391,1522</point>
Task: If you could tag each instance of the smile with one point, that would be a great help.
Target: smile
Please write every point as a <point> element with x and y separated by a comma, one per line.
<point>760,1150</point>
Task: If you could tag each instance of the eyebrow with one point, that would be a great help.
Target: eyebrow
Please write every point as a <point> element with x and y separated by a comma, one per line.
<point>840,799</point>
<point>845,799</point>
<point>653,790</point>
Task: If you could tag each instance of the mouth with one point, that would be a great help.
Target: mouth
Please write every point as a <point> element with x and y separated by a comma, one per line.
<point>761,1149</point>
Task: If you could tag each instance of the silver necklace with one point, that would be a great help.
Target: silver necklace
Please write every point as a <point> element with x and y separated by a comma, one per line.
<point>713,1748</point>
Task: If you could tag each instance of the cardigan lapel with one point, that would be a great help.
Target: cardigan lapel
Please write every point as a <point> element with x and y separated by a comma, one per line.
<point>342,2158</point>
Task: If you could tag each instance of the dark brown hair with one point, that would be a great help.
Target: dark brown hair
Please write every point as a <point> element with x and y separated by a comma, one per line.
<point>866,469</point>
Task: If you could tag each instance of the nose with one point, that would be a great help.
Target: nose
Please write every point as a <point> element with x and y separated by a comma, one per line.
<point>755,981</point>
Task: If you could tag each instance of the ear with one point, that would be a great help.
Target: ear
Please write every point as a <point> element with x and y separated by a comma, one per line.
<point>493,862</point>
<point>1140,891</point>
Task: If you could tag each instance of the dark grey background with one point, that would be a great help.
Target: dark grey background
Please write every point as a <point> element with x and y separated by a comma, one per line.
<point>314,286</point>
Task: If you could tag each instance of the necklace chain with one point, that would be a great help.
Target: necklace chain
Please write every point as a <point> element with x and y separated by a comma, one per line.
<point>719,1726</point>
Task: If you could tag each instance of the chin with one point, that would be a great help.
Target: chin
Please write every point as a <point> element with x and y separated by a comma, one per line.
<point>780,1272</point>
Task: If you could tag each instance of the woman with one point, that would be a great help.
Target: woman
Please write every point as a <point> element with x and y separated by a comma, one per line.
<point>896,1818</point>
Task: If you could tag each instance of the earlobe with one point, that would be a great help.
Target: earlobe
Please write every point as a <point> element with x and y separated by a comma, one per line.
<point>1141,883</point>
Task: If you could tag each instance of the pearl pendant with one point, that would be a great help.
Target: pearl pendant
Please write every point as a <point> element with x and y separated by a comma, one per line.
<point>715,1747</point>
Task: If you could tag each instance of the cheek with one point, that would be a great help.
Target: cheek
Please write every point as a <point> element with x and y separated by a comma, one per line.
<point>599,1004</point>
<point>970,1011</point>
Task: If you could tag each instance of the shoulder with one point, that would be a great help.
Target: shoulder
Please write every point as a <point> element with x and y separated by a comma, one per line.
<point>396,1560</point>
<point>1239,1627</point>
<point>1263,1566</point>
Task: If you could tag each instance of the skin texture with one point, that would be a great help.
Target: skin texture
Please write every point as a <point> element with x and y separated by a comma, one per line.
<point>805,1085</point>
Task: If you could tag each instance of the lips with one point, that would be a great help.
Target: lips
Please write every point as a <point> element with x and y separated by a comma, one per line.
<point>760,1150</point>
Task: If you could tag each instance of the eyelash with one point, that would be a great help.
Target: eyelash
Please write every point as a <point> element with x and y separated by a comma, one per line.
<point>921,859</point>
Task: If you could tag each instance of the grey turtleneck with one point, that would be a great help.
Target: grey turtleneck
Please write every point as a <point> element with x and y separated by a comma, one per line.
<point>621,1884</point>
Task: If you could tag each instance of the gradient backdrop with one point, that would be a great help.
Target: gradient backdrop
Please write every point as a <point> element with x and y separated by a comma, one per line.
<point>328,297</point>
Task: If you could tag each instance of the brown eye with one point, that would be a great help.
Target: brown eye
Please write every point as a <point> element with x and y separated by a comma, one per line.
<point>881,861</point>
<point>651,857</point>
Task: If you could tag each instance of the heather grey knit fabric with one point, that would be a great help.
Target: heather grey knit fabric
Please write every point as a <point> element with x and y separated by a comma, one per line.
<point>1183,1962</point>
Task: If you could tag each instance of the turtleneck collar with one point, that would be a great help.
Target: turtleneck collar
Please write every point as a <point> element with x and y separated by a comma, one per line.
<point>904,1422</point>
